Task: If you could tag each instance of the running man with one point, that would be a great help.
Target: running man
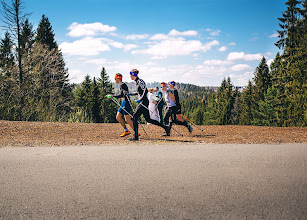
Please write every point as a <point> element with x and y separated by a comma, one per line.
<point>161,103</point>
<point>142,107</point>
<point>173,107</point>
<point>124,95</point>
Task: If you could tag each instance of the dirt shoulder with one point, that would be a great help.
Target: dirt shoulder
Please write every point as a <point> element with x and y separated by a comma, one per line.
<point>65,134</point>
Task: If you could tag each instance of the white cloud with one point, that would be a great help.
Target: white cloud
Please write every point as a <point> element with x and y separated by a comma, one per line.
<point>242,56</point>
<point>158,57</point>
<point>215,33</point>
<point>209,45</point>
<point>184,33</point>
<point>75,75</point>
<point>92,29</point>
<point>222,49</point>
<point>274,35</point>
<point>117,44</point>
<point>232,44</point>
<point>137,36</point>
<point>175,47</point>
<point>240,67</point>
<point>159,37</point>
<point>268,53</point>
<point>241,79</point>
<point>217,62</point>
<point>98,62</point>
<point>84,47</point>
<point>126,47</point>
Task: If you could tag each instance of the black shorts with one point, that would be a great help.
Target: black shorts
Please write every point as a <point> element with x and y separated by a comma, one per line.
<point>178,109</point>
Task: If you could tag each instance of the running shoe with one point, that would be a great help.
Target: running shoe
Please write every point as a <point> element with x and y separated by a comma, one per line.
<point>125,133</point>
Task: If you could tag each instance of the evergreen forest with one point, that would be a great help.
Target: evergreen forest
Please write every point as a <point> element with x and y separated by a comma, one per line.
<point>34,84</point>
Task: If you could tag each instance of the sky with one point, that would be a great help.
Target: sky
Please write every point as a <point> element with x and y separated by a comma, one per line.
<point>189,41</point>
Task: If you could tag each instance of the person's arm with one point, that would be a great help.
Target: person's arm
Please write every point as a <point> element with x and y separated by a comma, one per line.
<point>142,89</point>
<point>171,94</point>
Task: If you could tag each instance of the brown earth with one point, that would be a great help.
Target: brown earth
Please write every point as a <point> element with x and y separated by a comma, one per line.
<point>65,134</point>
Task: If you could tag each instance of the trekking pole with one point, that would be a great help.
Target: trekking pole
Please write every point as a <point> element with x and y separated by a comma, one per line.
<point>177,131</point>
<point>129,114</point>
<point>193,124</point>
<point>152,112</point>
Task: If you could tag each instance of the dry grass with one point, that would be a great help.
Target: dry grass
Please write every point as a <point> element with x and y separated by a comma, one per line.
<point>65,134</point>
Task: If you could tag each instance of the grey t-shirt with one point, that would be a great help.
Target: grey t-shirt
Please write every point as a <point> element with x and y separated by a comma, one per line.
<point>169,101</point>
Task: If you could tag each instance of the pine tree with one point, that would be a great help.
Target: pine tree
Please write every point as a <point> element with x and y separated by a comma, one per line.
<point>235,111</point>
<point>262,80</point>
<point>290,80</point>
<point>246,115</point>
<point>6,55</point>
<point>13,16</point>
<point>224,103</point>
<point>288,34</point>
<point>107,108</point>
<point>44,33</point>
<point>198,116</point>
<point>95,99</point>
<point>27,37</point>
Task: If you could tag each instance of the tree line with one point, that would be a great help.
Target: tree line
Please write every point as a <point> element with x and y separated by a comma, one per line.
<point>276,96</point>
<point>34,83</point>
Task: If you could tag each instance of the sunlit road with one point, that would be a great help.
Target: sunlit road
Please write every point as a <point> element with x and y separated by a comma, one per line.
<point>154,182</point>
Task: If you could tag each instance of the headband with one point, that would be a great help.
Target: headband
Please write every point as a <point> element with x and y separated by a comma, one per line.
<point>172,83</point>
<point>133,74</point>
<point>119,77</point>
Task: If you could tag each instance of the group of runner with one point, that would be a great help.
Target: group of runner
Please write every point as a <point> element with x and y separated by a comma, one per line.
<point>150,106</point>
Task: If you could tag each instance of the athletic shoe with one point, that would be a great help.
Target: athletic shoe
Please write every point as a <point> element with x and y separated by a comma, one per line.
<point>190,129</point>
<point>125,133</point>
<point>133,139</point>
<point>165,134</point>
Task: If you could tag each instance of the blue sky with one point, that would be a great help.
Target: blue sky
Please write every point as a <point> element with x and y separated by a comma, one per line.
<point>189,41</point>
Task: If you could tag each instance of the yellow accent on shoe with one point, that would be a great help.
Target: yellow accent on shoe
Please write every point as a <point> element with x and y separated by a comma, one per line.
<point>125,133</point>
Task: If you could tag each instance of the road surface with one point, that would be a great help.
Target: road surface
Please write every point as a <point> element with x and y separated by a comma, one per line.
<point>154,182</point>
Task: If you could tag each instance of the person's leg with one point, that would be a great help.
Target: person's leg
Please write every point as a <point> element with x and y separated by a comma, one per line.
<point>149,120</point>
<point>180,117</point>
<point>119,118</point>
<point>160,108</point>
<point>129,121</point>
<point>167,115</point>
<point>137,113</point>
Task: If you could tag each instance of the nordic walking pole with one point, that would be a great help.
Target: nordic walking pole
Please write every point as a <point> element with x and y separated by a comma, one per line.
<point>132,116</point>
<point>152,112</point>
<point>128,114</point>
<point>193,124</point>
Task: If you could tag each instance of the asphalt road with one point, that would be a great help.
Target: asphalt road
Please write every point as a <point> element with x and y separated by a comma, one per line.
<point>154,182</point>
